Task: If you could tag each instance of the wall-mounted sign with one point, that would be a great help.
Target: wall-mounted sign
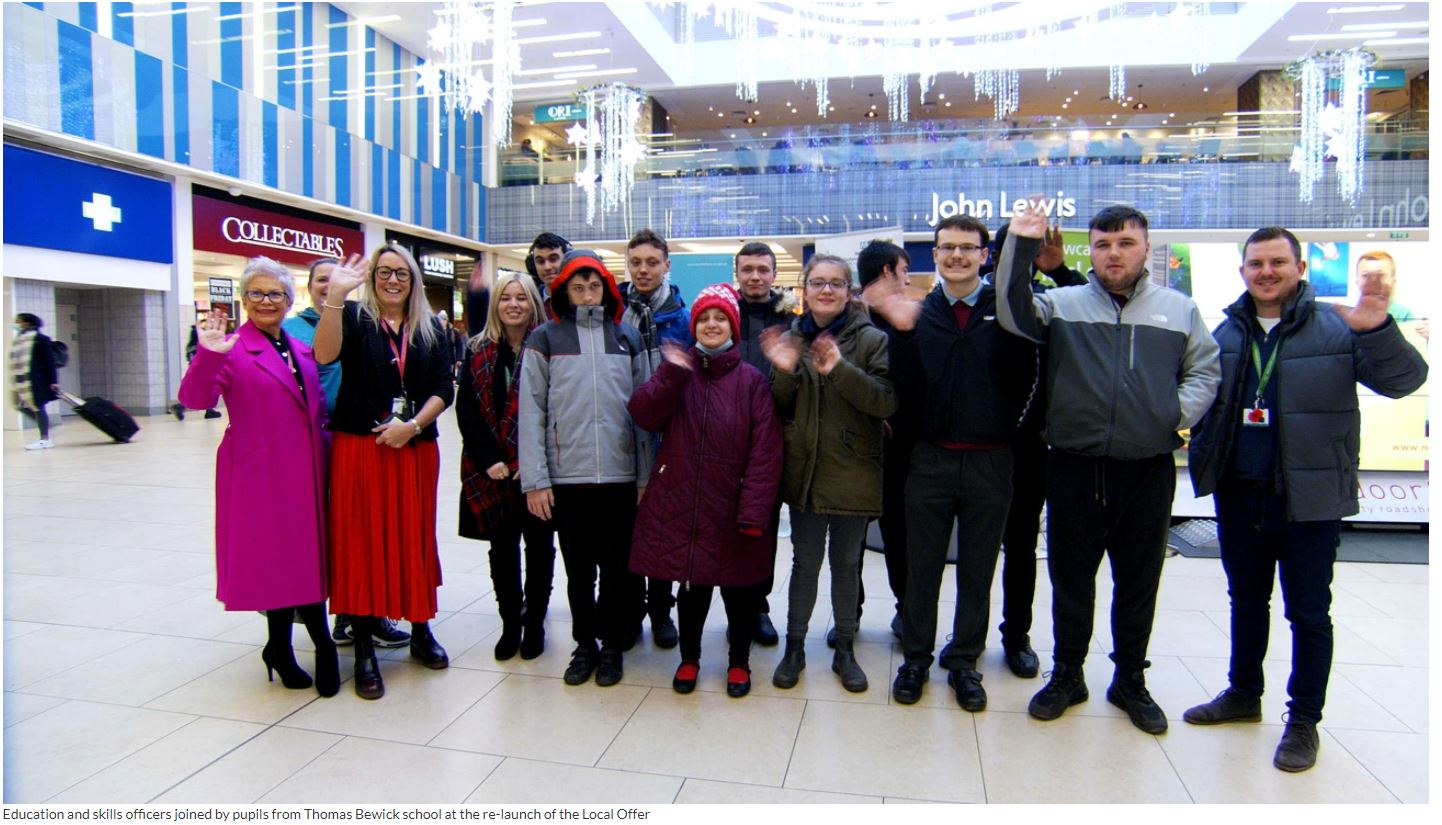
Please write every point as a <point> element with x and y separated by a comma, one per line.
<point>1377,79</point>
<point>236,229</point>
<point>1059,206</point>
<point>438,266</point>
<point>560,113</point>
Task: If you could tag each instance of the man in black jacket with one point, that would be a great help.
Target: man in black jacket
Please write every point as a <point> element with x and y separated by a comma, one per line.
<point>1279,452</point>
<point>965,382</point>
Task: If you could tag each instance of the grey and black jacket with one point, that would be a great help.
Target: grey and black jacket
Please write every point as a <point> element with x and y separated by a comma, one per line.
<point>1121,381</point>
<point>1320,362</point>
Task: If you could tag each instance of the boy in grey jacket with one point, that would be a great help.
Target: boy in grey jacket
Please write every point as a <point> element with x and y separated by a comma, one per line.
<point>581,456</point>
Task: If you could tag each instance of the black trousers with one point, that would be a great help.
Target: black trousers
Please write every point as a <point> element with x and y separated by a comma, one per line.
<point>1258,541</point>
<point>505,555</point>
<point>763,590</point>
<point>1119,508</point>
<point>895,465</point>
<point>971,489</point>
<point>694,603</point>
<point>1018,541</point>
<point>594,523</point>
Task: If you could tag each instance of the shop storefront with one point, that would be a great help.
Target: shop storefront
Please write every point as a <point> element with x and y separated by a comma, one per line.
<point>445,269</point>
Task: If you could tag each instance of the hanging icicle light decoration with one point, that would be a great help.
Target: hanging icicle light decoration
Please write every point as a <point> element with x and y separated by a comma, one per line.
<point>1117,88</point>
<point>898,97</point>
<point>459,41</point>
<point>612,145</point>
<point>1334,111</point>
<point>1003,86</point>
<point>506,62</point>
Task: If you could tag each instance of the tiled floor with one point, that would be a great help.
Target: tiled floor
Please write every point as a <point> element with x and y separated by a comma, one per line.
<point>125,682</point>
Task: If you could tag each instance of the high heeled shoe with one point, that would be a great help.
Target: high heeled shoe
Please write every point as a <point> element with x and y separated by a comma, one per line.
<point>284,661</point>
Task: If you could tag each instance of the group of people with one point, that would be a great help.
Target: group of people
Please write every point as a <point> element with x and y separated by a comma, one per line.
<point>659,444</point>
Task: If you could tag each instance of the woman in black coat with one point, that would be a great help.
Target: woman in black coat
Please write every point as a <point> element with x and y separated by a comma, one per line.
<point>32,366</point>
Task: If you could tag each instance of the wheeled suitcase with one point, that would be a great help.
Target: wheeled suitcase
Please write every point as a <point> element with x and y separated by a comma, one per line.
<point>107,416</point>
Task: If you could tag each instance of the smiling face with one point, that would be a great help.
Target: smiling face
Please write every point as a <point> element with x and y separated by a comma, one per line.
<point>1272,274</point>
<point>647,267</point>
<point>713,329</point>
<point>266,302</point>
<point>827,292</point>
<point>1120,258</point>
<point>959,254</point>
<point>319,284</point>
<point>393,280</point>
<point>548,261</point>
<point>514,307</point>
<point>755,274</point>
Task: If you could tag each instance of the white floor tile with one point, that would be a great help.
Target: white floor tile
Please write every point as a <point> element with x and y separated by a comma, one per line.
<point>152,770</point>
<point>143,671</point>
<point>344,774</point>
<point>524,781</point>
<point>253,769</point>
<point>418,704</point>
<point>710,792</point>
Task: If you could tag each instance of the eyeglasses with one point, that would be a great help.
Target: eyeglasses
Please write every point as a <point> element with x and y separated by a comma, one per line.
<point>822,286</point>
<point>965,249</point>
<point>275,296</point>
<point>385,273</point>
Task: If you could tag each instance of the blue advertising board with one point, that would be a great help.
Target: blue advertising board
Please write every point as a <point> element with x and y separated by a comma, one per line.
<point>58,203</point>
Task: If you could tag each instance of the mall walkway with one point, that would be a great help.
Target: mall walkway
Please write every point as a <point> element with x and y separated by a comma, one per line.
<point>125,682</point>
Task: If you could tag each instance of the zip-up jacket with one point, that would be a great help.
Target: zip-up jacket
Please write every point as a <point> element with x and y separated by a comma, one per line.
<point>756,318</point>
<point>576,377</point>
<point>1319,364</point>
<point>1120,381</point>
<point>669,323</point>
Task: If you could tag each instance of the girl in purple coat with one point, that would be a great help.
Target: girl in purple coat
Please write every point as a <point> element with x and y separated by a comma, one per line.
<point>709,502</point>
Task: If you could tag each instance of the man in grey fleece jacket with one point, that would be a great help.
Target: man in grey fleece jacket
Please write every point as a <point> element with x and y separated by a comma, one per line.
<point>1128,364</point>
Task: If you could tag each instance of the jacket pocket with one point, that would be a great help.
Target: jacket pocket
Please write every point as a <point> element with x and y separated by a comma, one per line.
<point>862,445</point>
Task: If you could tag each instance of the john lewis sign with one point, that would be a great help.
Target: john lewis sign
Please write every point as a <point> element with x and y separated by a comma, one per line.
<point>1058,206</point>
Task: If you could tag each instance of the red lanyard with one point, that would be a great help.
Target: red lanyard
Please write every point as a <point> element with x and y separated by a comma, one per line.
<point>401,353</point>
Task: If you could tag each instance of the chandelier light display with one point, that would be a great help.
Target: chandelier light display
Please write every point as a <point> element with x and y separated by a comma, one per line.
<point>1334,112</point>
<point>611,144</point>
<point>468,36</point>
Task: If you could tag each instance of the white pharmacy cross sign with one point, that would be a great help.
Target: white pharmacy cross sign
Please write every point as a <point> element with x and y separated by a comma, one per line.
<point>101,212</point>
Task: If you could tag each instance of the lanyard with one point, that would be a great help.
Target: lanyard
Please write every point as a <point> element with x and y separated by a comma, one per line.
<point>1264,374</point>
<point>400,354</point>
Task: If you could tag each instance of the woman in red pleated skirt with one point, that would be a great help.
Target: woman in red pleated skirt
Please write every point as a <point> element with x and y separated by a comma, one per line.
<point>396,379</point>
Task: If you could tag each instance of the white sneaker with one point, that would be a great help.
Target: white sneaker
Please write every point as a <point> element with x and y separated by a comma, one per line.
<point>42,444</point>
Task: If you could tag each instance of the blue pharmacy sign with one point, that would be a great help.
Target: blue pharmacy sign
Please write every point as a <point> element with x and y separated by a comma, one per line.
<point>58,203</point>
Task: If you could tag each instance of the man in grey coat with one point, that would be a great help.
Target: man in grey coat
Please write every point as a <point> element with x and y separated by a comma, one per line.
<point>1279,453</point>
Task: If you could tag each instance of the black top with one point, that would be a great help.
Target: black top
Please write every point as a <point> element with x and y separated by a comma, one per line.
<point>370,377</point>
<point>282,348</point>
<point>477,439</point>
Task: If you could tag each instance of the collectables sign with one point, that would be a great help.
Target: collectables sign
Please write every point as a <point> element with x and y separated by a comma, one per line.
<point>237,229</point>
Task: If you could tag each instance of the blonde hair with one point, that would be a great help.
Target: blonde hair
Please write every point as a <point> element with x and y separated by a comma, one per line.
<point>418,313</point>
<point>494,330</point>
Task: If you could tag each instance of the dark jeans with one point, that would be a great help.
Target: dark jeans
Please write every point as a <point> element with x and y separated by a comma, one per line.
<point>763,590</point>
<point>1257,541</point>
<point>1018,541</point>
<point>594,522</point>
<point>895,464</point>
<point>505,558</point>
<point>970,488</point>
<point>809,533</point>
<point>1120,508</point>
<point>693,604</point>
<point>41,419</point>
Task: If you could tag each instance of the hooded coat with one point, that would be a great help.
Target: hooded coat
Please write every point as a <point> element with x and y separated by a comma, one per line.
<point>717,473</point>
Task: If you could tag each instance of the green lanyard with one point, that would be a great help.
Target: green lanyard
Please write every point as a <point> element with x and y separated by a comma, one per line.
<point>1264,374</point>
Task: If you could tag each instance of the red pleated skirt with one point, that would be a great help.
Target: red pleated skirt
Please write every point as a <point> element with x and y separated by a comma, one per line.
<point>383,557</point>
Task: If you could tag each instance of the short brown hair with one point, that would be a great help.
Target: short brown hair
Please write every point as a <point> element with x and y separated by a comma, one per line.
<point>752,249</point>
<point>965,223</point>
<point>648,238</point>
<point>1379,255</point>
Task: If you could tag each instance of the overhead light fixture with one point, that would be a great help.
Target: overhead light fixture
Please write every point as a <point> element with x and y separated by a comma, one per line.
<point>364,21</point>
<point>750,120</point>
<point>763,134</point>
<point>1363,27</point>
<point>1365,9</point>
<point>579,67</point>
<point>1397,41</point>
<point>941,96</point>
<point>720,114</point>
<point>556,38</point>
<point>1140,106</point>
<point>757,112</point>
<point>1206,88</point>
<point>525,24</point>
<point>1307,38</point>
<point>581,52</point>
<point>597,73</point>
<point>543,84</point>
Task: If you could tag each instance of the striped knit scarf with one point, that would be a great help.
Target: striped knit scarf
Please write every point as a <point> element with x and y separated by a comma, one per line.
<point>489,500</point>
<point>20,351</point>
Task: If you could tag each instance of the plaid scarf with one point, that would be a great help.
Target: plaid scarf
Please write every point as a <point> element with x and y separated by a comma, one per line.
<point>20,351</point>
<point>492,501</point>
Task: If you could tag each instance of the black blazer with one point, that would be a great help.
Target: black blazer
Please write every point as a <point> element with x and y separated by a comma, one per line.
<point>370,379</point>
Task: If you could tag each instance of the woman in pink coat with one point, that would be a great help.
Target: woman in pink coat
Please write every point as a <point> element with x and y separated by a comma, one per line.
<point>270,473</point>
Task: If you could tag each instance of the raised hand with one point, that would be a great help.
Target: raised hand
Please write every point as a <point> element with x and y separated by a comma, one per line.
<point>674,353</point>
<point>1050,256</point>
<point>345,278</point>
<point>211,335</point>
<point>825,354</point>
<point>780,349</point>
<point>887,298</point>
<point>1370,313</point>
<point>1029,222</point>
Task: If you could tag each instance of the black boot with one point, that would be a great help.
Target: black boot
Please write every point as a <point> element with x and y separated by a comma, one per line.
<point>663,630</point>
<point>278,654</point>
<point>1066,687</point>
<point>510,642</point>
<point>843,664</point>
<point>793,661</point>
<point>425,647</point>
<point>327,661</point>
<point>1128,691</point>
<point>368,684</point>
<point>765,630</point>
<point>533,640</point>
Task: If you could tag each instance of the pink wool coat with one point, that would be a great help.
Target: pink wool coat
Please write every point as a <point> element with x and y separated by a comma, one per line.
<point>270,472</point>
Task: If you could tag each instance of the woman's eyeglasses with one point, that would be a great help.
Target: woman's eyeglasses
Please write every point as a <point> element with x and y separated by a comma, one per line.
<point>275,296</point>
<point>385,273</point>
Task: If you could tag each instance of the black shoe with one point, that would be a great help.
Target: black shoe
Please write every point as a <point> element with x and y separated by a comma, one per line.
<point>907,687</point>
<point>766,631</point>
<point>583,664</point>
<point>509,644</point>
<point>793,661</point>
<point>178,411</point>
<point>368,684</point>
<point>896,625</point>
<point>533,642</point>
<point>283,660</point>
<point>844,664</point>
<point>831,638</point>
<point>1298,749</point>
<point>1066,687</point>
<point>1023,661</point>
<point>341,632</point>
<point>426,649</point>
<point>663,631</point>
<point>213,414</point>
<point>1229,706</point>
<point>1128,691</point>
<point>738,682</point>
<point>969,692</point>
<point>387,634</point>
<point>685,679</point>
<point>608,669</point>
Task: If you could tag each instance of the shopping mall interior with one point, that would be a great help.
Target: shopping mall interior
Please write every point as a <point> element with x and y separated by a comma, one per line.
<point>153,148</point>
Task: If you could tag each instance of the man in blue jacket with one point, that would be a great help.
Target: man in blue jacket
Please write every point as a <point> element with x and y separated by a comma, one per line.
<point>1279,453</point>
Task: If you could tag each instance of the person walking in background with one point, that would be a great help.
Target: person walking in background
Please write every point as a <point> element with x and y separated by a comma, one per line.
<point>713,485</point>
<point>33,373</point>
<point>395,382</point>
<point>270,546</point>
<point>832,387</point>
<point>191,347</point>
<point>492,506</point>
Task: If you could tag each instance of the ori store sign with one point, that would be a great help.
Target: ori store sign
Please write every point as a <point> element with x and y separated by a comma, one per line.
<point>238,229</point>
<point>560,113</point>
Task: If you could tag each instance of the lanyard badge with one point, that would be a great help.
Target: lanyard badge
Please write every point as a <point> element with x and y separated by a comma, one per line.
<point>1258,415</point>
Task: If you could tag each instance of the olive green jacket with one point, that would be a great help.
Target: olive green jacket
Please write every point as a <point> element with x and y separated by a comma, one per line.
<point>831,425</point>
